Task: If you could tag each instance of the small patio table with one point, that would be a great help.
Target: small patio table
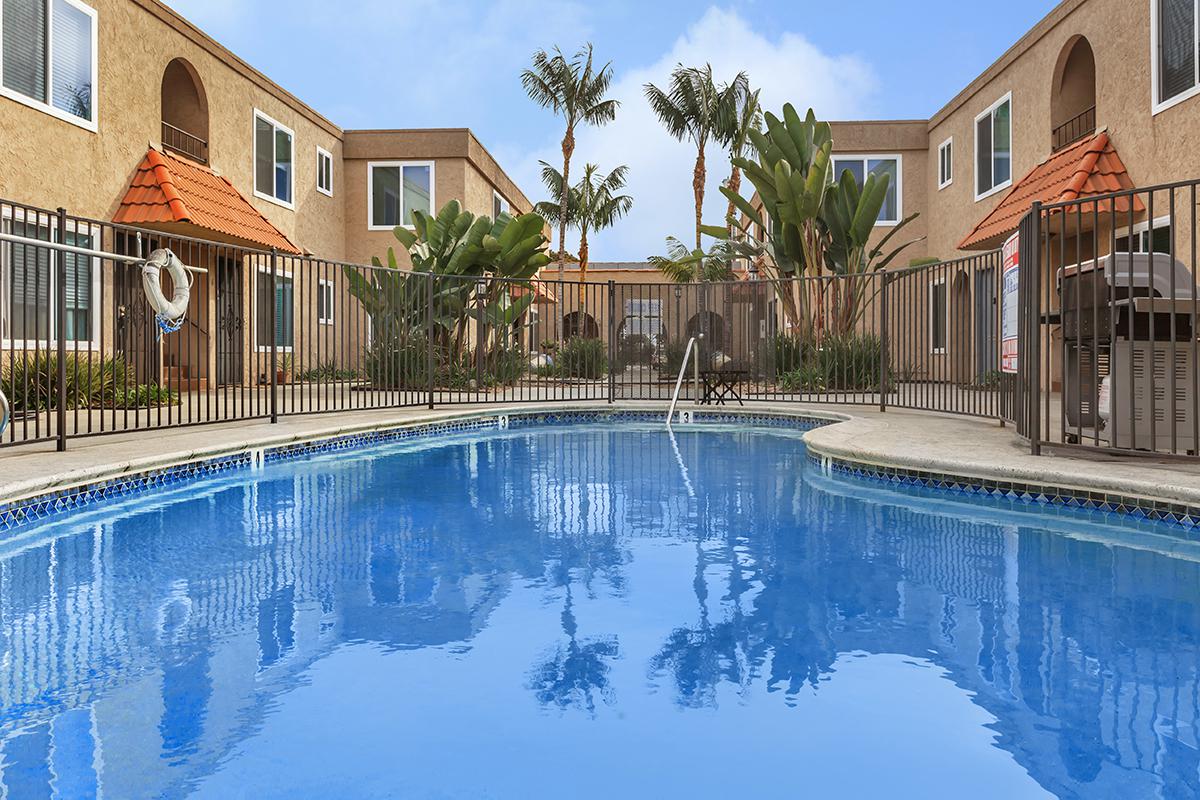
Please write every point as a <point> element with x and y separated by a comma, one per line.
<point>721,384</point>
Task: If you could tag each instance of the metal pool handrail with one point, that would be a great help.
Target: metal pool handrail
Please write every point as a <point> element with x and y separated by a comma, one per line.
<point>691,348</point>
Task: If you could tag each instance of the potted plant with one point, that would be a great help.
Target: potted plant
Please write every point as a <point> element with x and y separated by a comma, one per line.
<point>283,368</point>
<point>549,346</point>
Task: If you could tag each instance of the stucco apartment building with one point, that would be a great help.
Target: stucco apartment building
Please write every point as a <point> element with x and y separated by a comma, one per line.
<point>121,111</point>
<point>1099,96</point>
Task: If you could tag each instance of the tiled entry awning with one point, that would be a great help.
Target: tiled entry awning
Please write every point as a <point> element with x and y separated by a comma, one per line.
<point>1089,167</point>
<point>168,189</point>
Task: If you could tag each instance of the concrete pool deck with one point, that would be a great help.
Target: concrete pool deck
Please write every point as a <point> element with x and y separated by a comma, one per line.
<point>915,440</point>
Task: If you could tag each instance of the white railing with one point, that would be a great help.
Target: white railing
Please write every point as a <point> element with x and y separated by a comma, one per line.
<point>692,350</point>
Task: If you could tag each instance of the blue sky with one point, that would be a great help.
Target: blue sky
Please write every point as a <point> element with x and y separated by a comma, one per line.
<point>428,63</point>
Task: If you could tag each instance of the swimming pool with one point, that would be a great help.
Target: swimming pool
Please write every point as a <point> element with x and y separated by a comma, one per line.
<point>592,610</point>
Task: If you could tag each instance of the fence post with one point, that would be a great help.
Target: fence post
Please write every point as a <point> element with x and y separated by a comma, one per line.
<point>60,330</point>
<point>273,369</point>
<point>430,364</point>
<point>883,344</point>
<point>1034,393</point>
<point>612,340</point>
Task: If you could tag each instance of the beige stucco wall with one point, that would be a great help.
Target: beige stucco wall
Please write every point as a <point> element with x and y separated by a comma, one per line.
<point>1155,148</point>
<point>47,161</point>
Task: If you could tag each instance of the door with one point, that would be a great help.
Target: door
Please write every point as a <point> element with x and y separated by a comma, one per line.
<point>987,342</point>
<point>230,322</point>
<point>134,327</point>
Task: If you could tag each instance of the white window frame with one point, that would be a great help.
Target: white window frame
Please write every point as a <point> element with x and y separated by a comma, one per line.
<point>1143,227</point>
<point>865,157</point>
<point>324,285</point>
<point>6,341</point>
<point>933,284</point>
<point>1158,106</point>
<point>946,180</point>
<point>507,205</point>
<point>279,126</point>
<point>371,165</point>
<point>266,348</point>
<point>1006,98</point>
<point>49,108</point>
<point>323,154</point>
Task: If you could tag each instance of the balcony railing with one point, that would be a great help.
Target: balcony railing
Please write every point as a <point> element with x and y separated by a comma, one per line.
<point>180,141</point>
<point>1074,129</point>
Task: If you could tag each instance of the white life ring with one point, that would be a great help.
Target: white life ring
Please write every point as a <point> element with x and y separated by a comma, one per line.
<point>5,412</point>
<point>173,310</point>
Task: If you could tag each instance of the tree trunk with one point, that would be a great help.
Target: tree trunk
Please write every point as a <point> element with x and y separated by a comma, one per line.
<point>583,261</point>
<point>735,186</point>
<point>568,147</point>
<point>698,176</point>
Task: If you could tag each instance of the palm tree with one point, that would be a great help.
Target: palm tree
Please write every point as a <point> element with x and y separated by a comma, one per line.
<point>691,266</point>
<point>598,205</point>
<point>747,118</point>
<point>592,204</point>
<point>574,89</point>
<point>694,108</point>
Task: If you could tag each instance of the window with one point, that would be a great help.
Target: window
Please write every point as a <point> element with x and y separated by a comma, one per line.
<point>395,189</point>
<point>643,318</point>
<point>272,160</point>
<point>48,57</point>
<point>1174,61</point>
<point>28,304</point>
<point>1145,240</point>
<point>993,148</point>
<point>946,163</point>
<point>499,205</point>
<point>284,311</point>
<point>938,311</point>
<point>325,302</point>
<point>324,172</point>
<point>861,166</point>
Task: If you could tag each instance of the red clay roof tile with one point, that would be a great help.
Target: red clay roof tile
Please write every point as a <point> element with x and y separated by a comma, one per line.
<point>168,189</point>
<point>1086,168</point>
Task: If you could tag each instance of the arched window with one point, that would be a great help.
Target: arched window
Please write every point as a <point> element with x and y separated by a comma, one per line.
<point>184,111</point>
<point>1073,96</point>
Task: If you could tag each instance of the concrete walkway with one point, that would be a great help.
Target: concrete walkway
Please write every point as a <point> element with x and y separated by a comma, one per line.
<point>900,438</point>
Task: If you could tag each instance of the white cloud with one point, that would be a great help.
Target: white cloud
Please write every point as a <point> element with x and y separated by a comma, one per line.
<point>787,68</point>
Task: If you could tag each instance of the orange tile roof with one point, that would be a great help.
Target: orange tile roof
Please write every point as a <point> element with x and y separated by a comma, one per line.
<point>169,189</point>
<point>1088,167</point>
<point>542,293</point>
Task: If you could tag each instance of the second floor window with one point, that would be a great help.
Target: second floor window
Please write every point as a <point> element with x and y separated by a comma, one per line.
<point>993,148</point>
<point>396,189</point>
<point>499,205</point>
<point>272,160</point>
<point>49,57</point>
<point>862,166</point>
<point>324,172</point>
<point>1176,64</point>
<point>946,163</point>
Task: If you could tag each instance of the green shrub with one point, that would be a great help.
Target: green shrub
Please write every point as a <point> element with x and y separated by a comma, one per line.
<point>328,371</point>
<point>635,349</point>
<point>673,356</point>
<point>842,363</point>
<point>398,365</point>
<point>787,353</point>
<point>30,382</point>
<point>582,357</point>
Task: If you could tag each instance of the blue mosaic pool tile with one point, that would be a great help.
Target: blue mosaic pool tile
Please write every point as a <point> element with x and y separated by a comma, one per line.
<point>1050,497</point>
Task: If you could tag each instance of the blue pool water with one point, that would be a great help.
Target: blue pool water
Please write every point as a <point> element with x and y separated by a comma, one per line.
<point>592,611</point>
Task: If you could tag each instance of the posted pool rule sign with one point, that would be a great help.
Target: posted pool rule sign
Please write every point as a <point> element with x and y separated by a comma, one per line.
<point>1008,304</point>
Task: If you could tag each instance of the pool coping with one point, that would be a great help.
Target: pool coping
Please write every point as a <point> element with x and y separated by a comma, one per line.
<point>827,437</point>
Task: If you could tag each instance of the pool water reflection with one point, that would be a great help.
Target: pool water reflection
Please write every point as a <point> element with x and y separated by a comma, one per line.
<point>590,611</point>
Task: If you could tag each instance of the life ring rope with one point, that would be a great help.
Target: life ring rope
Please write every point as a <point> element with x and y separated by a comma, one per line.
<point>169,314</point>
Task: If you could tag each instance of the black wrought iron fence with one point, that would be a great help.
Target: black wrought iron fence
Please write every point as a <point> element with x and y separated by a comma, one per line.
<point>272,334</point>
<point>1113,309</point>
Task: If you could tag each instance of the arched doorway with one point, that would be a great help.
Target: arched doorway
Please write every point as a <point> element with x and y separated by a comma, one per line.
<point>960,329</point>
<point>580,323</point>
<point>184,111</point>
<point>1073,95</point>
